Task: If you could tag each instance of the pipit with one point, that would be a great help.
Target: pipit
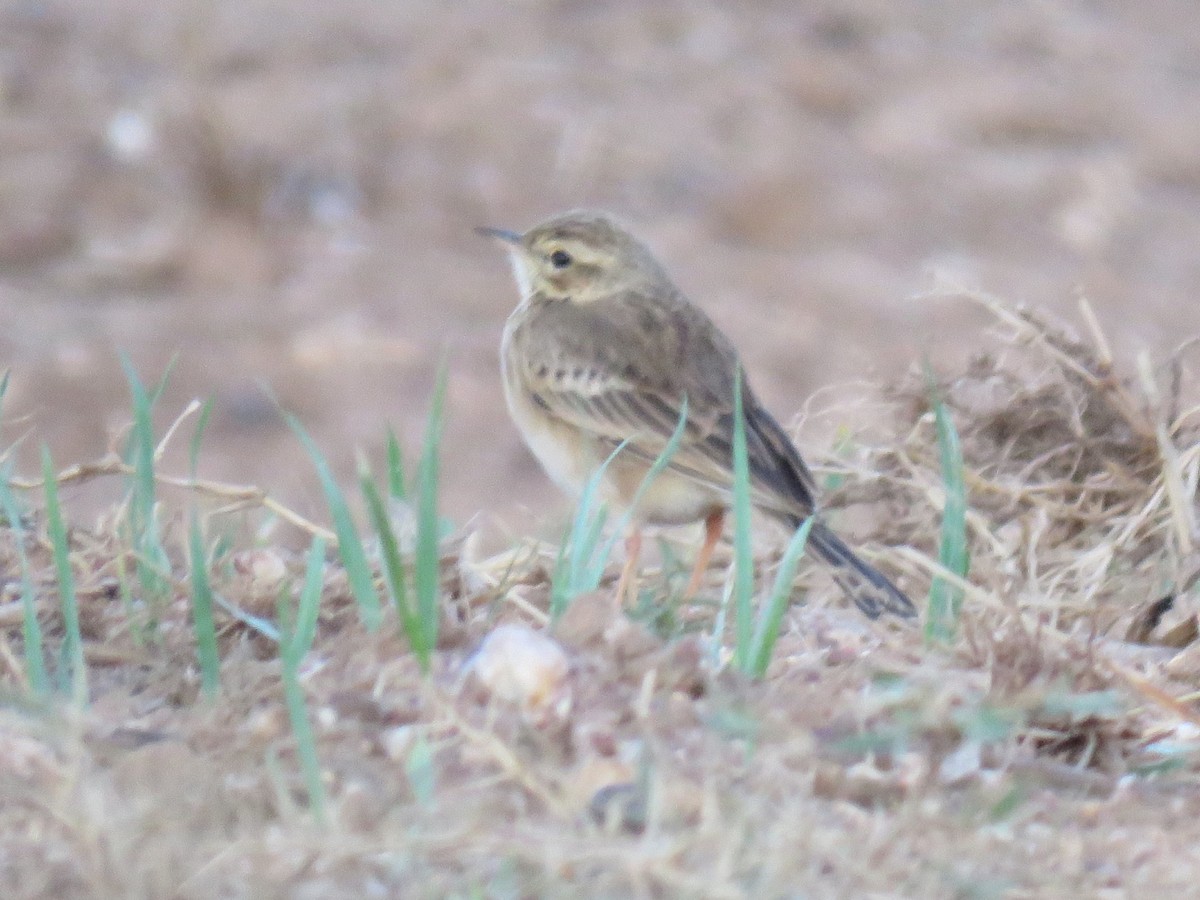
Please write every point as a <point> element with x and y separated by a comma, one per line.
<point>603,348</point>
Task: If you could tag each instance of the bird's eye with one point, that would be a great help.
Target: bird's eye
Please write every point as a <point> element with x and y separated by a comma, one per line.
<point>560,259</point>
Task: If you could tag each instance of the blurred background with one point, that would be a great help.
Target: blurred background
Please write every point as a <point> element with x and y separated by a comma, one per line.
<point>281,194</point>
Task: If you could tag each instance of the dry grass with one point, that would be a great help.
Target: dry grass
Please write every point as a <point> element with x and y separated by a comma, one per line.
<point>1049,751</point>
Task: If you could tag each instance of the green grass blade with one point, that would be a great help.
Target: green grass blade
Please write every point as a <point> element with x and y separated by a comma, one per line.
<point>743,561</point>
<point>350,548</point>
<point>427,569</point>
<point>31,629</point>
<point>587,551</point>
<point>588,565</point>
<point>586,557</point>
<point>397,483</point>
<point>137,631</point>
<point>717,641</point>
<point>842,445</point>
<point>198,435</point>
<point>151,559</point>
<point>156,394</point>
<point>297,634</point>
<point>945,598</point>
<point>560,593</point>
<point>4,390</point>
<point>660,463</point>
<point>306,747</point>
<point>140,451</point>
<point>420,771</point>
<point>72,654</point>
<point>207,652</point>
<point>260,624</point>
<point>305,631</point>
<point>393,570</point>
<point>771,615</point>
<point>581,559</point>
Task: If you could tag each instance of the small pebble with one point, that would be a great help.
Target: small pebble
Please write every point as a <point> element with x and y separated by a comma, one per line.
<point>518,665</point>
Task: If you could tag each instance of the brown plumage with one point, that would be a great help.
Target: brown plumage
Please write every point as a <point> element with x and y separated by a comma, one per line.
<point>603,348</point>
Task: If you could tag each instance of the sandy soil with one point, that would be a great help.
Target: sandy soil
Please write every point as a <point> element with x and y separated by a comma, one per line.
<point>281,196</point>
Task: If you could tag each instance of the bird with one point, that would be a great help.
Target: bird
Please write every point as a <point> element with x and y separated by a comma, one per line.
<point>601,358</point>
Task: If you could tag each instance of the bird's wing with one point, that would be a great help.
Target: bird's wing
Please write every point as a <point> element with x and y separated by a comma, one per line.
<point>622,375</point>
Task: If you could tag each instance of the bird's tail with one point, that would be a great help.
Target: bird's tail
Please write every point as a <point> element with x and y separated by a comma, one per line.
<point>870,590</point>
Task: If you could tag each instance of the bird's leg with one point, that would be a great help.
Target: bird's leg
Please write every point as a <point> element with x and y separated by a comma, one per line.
<point>633,550</point>
<point>714,523</point>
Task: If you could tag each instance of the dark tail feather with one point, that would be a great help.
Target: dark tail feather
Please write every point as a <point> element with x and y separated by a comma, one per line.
<point>865,585</point>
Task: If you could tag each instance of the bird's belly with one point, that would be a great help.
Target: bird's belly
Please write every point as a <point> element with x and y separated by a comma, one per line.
<point>570,459</point>
<point>670,499</point>
<point>561,450</point>
<point>673,500</point>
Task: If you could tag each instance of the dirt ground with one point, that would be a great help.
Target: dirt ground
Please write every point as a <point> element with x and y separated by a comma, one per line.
<point>280,196</point>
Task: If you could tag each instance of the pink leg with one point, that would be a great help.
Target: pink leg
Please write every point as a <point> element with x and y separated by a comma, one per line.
<point>713,525</point>
<point>633,550</point>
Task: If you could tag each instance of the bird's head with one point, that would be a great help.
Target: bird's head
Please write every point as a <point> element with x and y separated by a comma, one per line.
<point>579,256</point>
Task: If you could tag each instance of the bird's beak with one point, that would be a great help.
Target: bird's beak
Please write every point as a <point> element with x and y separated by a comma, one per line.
<point>500,234</point>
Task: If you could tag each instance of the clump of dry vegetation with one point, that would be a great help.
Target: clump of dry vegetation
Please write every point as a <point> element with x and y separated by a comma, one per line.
<point>1077,474</point>
<point>615,753</point>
